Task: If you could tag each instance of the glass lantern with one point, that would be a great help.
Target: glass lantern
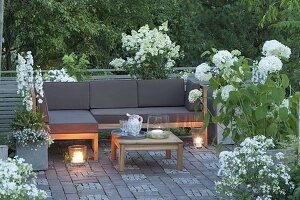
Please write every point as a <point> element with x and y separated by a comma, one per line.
<point>199,137</point>
<point>158,123</point>
<point>77,154</point>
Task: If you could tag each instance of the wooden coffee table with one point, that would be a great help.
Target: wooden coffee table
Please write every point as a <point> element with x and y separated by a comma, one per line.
<point>171,143</point>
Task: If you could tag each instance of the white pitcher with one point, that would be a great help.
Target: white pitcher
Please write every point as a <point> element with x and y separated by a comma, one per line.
<point>134,124</point>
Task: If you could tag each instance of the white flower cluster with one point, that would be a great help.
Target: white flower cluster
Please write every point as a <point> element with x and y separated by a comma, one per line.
<point>275,48</point>
<point>195,95</point>
<point>39,137</point>
<point>17,181</point>
<point>148,44</point>
<point>58,76</point>
<point>269,64</point>
<point>224,59</point>
<point>273,52</point>
<point>27,82</point>
<point>250,164</point>
<point>225,91</point>
<point>203,72</point>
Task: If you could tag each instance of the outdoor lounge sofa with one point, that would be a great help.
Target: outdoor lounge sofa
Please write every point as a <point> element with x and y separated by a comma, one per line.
<point>75,110</point>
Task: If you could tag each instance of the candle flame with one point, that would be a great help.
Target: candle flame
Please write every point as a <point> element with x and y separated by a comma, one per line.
<point>77,157</point>
<point>198,141</point>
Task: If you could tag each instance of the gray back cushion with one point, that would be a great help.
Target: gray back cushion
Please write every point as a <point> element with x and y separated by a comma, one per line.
<point>113,94</point>
<point>67,95</point>
<point>161,92</point>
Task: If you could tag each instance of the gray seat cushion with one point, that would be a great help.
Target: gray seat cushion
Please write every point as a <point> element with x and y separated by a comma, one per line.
<point>112,116</point>
<point>67,95</point>
<point>113,94</point>
<point>154,93</point>
<point>72,121</point>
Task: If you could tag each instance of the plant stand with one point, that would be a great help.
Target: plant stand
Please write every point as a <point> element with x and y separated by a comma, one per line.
<point>37,156</point>
<point>3,152</point>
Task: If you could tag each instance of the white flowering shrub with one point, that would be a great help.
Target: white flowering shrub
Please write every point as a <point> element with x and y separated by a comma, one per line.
<point>249,172</point>
<point>257,89</point>
<point>28,80</point>
<point>150,53</point>
<point>38,137</point>
<point>58,76</point>
<point>17,181</point>
<point>195,95</point>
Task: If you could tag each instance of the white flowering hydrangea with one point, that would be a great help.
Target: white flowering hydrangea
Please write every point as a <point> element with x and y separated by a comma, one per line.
<point>147,48</point>
<point>27,81</point>
<point>39,137</point>
<point>275,48</point>
<point>195,95</point>
<point>225,91</point>
<point>223,59</point>
<point>203,73</point>
<point>58,76</point>
<point>269,64</point>
<point>243,168</point>
<point>17,181</point>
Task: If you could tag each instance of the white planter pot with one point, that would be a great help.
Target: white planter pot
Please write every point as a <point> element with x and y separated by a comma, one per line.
<point>36,156</point>
<point>3,152</point>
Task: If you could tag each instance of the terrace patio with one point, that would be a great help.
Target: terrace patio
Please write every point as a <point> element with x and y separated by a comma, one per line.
<point>147,175</point>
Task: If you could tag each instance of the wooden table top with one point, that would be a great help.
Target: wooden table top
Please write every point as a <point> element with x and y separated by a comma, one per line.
<point>172,139</point>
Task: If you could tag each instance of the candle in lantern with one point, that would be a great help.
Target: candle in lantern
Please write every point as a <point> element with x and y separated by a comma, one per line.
<point>198,141</point>
<point>157,131</point>
<point>77,157</point>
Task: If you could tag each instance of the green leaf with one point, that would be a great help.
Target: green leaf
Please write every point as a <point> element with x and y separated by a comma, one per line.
<point>283,114</point>
<point>278,94</point>
<point>260,113</point>
<point>272,129</point>
<point>205,53</point>
<point>285,80</point>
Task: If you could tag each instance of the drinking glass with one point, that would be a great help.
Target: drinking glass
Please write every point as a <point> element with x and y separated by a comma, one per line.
<point>123,125</point>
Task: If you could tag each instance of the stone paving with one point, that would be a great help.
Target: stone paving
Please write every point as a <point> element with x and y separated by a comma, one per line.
<point>148,175</point>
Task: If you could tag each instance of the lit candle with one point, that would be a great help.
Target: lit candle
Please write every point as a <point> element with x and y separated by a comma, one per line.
<point>157,131</point>
<point>77,157</point>
<point>198,142</point>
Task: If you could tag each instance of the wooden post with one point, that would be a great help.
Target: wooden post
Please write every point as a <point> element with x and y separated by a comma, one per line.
<point>1,31</point>
<point>33,101</point>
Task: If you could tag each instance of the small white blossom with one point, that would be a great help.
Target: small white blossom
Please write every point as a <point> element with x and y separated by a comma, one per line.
<point>203,73</point>
<point>195,95</point>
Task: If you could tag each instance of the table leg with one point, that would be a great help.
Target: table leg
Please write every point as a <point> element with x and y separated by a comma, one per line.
<point>113,148</point>
<point>168,154</point>
<point>121,158</point>
<point>179,165</point>
<point>95,147</point>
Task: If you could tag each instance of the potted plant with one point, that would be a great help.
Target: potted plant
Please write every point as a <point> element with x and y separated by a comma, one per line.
<point>32,138</point>
<point>30,133</point>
